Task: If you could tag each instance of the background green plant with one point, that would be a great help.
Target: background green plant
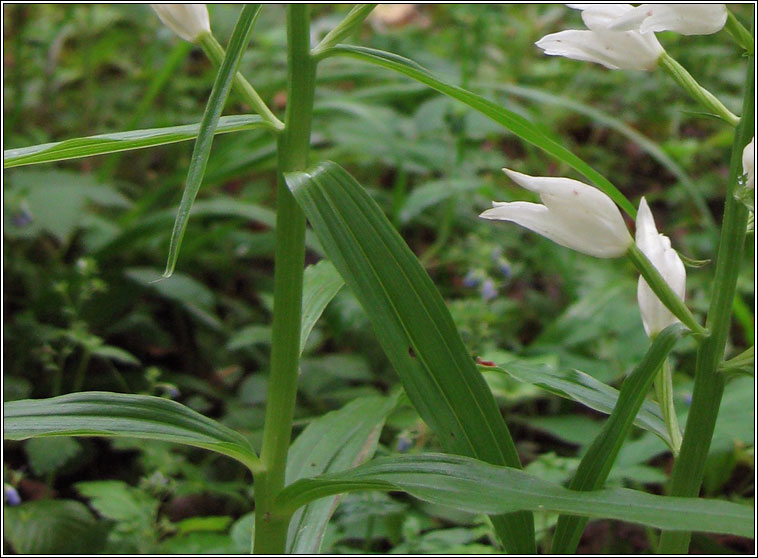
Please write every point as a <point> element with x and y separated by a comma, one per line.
<point>85,238</point>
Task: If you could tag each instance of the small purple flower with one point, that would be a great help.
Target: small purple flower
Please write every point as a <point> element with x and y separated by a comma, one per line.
<point>471,280</point>
<point>505,269</point>
<point>11,495</point>
<point>403,444</point>
<point>488,290</point>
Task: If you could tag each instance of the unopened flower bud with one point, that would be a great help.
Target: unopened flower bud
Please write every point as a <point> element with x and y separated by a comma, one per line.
<point>657,248</point>
<point>189,21</point>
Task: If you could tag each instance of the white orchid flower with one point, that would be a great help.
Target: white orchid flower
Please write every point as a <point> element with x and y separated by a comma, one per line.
<point>617,50</point>
<point>189,21</point>
<point>748,164</point>
<point>687,19</point>
<point>657,248</point>
<point>574,215</point>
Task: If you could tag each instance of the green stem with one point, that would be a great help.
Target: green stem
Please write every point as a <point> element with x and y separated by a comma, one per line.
<point>293,147</point>
<point>709,383</point>
<point>664,392</point>
<point>352,20</point>
<point>663,291</point>
<point>81,370</point>
<point>696,91</point>
<point>216,53</point>
<point>742,36</point>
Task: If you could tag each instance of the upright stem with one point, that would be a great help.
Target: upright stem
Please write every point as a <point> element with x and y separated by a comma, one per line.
<point>293,146</point>
<point>709,382</point>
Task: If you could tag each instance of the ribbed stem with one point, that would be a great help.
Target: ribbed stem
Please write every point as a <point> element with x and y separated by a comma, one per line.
<point>709,383</point>
<point>293,147</point>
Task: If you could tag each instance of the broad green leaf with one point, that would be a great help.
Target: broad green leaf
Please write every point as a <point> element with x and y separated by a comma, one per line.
<point>599,458</point>
<point>321,283</point>
<point>221,87</point>
<point>114,414</point>
<point>412,323</point>
<point>46,456</point>
<point>334,442</point>
<point>123,141</point>
<point>584,389</point>
<point>53,527</point>
<point>516,123</point>
<point>474,486</point>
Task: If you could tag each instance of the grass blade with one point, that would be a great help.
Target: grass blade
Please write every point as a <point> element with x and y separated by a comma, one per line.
<point>477,487</point>
<point>123,141</point>
<point>512,121</point>
<point>216,101</point>
<point>99,413</point>
<point>412,323</point>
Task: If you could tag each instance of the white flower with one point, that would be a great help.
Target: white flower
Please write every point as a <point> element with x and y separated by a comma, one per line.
<point>627,50</point>
<point>687,19</point>
<point>657,248</point>
<point>189,21</point>
<point>748,163</point>
<point>574,215</point>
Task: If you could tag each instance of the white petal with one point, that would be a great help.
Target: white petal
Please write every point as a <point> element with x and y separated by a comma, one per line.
<point>748,163</point>
<point>615,50</point>
<point>600,16</point>
<point>657,248</point>
<point>687,19</point>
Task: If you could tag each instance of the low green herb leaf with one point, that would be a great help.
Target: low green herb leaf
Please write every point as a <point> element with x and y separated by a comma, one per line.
<point>114,414</point>
<point>474,486</point>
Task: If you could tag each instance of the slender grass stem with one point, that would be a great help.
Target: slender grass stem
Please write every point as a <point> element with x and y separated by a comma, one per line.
<point>293,147</point>
<point>685,80</point>
<point>216,53</point>
<point>742,36</point>
<point>709,383</point>
<point>345,27</point>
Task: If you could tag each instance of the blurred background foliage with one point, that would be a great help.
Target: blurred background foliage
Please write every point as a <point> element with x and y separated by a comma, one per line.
<point>83,240</point>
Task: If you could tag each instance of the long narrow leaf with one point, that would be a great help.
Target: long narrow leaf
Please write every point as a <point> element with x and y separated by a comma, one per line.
<point>119,415</point>
<point>216,101</point>
<point>512,121</point>
<point>412,323</point>
<point>478,487</point>
<point>598,461</point>
<point>584,389</point>
<point>123,141</point>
